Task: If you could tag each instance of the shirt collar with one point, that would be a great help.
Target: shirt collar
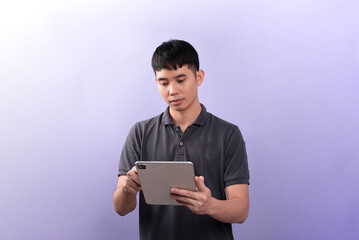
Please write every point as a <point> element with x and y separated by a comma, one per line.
<point>167,119</point>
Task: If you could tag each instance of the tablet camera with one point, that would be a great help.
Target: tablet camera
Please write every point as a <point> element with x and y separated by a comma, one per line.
<point>141,166</point>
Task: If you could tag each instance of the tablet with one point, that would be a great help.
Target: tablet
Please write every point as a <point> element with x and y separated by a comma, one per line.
<point>158,177</point>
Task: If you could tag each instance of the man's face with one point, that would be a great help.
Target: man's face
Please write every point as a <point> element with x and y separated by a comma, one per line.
<point>179,87</point>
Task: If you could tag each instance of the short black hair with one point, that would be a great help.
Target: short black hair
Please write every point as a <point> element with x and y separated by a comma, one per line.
<point>174,54</point>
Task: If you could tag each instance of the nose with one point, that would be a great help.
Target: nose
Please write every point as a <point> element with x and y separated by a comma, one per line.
<point>173,89</point>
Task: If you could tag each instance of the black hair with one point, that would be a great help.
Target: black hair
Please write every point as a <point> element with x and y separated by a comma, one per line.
<point>174,54</point>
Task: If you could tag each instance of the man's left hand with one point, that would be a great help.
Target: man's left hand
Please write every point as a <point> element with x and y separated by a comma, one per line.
<point>198,202</point>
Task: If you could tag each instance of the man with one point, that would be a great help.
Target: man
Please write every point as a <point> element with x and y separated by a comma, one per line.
<point>186,132</point>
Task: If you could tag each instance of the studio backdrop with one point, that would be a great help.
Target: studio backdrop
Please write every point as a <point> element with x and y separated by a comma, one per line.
<point>75,76</point>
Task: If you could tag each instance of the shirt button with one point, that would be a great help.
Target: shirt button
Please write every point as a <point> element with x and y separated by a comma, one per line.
<point>181,143</point>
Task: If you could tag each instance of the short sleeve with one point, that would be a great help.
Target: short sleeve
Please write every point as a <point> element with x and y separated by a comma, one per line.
<point>236,163</point>
<point>131,150</point>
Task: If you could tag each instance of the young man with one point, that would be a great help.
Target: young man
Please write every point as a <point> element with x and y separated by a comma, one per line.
<point>186,132</point>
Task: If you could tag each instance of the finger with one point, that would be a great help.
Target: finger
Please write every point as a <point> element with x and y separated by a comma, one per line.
<point>136,181</point>
<point>135,186</point>
<point>134,177</point>
<point>129,183</point>
<point>200,183</point>
<point>183,200</point>
<point>131,187</point>
<point>183,192</point>
<point>135,169</point>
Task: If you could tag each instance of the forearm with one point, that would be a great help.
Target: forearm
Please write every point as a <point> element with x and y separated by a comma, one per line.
<point>229,211</point>
<point>124,202</point>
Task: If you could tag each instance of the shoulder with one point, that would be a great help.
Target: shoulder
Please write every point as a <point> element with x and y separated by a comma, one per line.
<point>218,122</point>
<point>222,128</point>
<point>141,126</point>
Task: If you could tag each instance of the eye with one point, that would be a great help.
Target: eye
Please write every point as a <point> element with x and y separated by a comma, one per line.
<point>164,83</point>
<point>180,80</point>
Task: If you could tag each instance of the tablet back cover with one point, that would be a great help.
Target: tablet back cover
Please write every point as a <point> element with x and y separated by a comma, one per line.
<point>158,177</point>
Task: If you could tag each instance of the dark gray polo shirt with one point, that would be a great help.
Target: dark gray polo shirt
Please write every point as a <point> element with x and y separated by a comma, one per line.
<point>217,150</point>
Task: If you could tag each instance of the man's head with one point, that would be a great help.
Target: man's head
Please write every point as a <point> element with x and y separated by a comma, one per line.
<point>174,54</point>
<point>177,75</point>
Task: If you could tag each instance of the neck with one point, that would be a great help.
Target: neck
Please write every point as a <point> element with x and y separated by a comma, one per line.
<point>186,117</point>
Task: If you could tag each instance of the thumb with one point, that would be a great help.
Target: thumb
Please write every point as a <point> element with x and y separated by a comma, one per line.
<point>200,183</point>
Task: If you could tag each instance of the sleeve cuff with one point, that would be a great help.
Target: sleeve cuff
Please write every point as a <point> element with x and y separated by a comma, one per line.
<point>236,181</point>
<point>121,172</point>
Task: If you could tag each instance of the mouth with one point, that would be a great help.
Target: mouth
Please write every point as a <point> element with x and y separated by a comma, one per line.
<point>176,101</point>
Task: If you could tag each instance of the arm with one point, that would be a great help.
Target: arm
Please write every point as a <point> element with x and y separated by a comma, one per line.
<point>236,208</point>
<point>124,197</point>
<point>233,210</point>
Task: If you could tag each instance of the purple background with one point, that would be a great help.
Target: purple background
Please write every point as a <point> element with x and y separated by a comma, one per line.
<point>76,75</point>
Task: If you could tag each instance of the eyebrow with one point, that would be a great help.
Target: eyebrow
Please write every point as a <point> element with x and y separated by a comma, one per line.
<point>177,76</point>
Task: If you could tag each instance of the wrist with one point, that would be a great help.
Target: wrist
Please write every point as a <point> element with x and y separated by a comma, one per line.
<point>211,210</point>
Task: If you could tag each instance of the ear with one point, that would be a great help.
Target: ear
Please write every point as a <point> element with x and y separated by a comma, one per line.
<point>199,77</point>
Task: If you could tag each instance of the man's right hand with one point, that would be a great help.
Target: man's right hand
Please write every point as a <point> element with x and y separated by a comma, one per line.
<point>131,183</point>
<point>124,198</point>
